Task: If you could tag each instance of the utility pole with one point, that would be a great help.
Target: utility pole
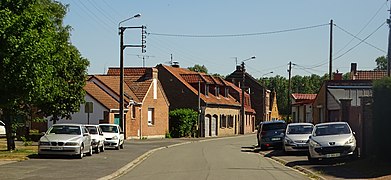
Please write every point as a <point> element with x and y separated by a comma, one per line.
<point>242,113</point>
<point>389,46</point>
<point>331,50</point>
<point>289,86</point>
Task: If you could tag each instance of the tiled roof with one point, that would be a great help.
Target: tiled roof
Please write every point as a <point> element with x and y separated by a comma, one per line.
<point>298,96</point>
<point>247,107</point>
<point>180,73</point>
<point>112,82</point>
<point>101,96</point>
<point>128,71</point>
<point>369,75</point>
<point>192,78</point>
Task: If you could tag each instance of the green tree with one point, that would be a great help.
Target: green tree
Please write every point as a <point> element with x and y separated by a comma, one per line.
<point>381,116</point>
<point>199,68</point>
<point>183,122</point>
<point>40,69</point>
<point>381,63</point>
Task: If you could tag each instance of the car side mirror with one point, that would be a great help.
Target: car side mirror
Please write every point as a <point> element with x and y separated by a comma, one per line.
<point>310,137</point>
<point>85,134</point>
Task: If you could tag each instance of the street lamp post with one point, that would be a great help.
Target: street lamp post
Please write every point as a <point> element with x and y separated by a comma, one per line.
<point>242,110</point>
<point>121,79</point>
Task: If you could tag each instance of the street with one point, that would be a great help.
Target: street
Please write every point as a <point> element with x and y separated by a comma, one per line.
<point>222,158</point>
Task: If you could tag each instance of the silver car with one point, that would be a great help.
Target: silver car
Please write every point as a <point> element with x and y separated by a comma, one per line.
<point>66,139</point>
<point>97,137</point>
<point>331,140</point>
<point>296,136</point>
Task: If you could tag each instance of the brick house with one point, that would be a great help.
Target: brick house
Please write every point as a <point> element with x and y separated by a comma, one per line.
<point>260,97</point>
<point>302,107</point>
<point>219,104</point>
<point>145,104</point>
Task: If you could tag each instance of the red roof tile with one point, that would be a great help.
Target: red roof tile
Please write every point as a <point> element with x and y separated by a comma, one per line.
<point>298,96</point>
<point>101,96</point>
<point>369,75</point>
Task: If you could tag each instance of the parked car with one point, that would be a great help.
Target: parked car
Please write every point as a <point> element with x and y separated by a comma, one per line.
<point>296,136</point>
<point>98,140</point>
<point>331,140</point>
<point>66,139</point>
<point>2,129</point>
<point>271,134</point>
<point>114,136</point>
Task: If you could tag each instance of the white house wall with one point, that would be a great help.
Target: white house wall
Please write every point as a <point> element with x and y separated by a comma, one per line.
<point>81,117</point>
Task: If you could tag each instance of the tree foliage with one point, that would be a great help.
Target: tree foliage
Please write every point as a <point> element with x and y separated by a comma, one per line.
<point>199,68</point>
<point>40,68</point>
<point>381,63</point>
<point>381,116</point>
<point>183,122</point>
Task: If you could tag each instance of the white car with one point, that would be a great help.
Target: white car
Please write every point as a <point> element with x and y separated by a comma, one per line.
<point>98,140</point>
<point>2,129</point>
<point>114,136</point>
<point>66,139</point>
<point>296,136</point>
<point>331,140</point>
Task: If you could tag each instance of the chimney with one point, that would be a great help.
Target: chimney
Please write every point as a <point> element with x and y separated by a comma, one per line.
<point>238,68</point>
<point>353,71</point>
<point>151,73</point>
<point>337,76</point>
<point>175,64</point>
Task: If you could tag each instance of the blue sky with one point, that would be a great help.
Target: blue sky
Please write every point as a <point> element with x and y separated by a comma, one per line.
<point>95,33</point>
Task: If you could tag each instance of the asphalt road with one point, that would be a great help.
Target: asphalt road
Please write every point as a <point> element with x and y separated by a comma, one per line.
<point>222,158</point>
<point>94,167</point>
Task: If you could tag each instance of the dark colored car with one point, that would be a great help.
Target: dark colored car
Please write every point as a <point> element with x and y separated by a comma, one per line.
<point>271,134</point>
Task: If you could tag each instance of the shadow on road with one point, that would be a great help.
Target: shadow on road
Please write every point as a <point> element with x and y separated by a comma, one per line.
<point>346,168</point>
<point>252,149</point>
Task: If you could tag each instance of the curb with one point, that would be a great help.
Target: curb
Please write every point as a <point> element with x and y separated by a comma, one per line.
<point>299,168</point>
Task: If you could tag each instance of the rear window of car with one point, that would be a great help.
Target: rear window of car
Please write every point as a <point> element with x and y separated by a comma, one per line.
<point>273,126</point>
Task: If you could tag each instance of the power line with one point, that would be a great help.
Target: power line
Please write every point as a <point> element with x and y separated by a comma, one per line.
<point>237,35</point>
<point>360,39</point>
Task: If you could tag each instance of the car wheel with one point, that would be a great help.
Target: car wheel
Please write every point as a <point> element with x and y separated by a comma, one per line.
<point>96,150</point>
<point>122,145</point>
<point>81,154</point>
<point>90,151</point>
<point>102,148</point>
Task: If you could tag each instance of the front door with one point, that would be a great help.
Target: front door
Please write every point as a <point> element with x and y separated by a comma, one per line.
<point>213,126</point>
<point>206,126</point>
<point>116,119</point>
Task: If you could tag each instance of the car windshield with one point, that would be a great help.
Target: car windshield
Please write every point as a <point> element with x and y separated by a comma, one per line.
<point>273,126</point>
<point>109,129</point>
<point>300,129</point>
<point>332,129</point>
<point>92,129</point>
<point>65,130</point>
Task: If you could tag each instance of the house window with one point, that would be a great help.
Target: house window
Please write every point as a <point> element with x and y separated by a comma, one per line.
<point>217,90</point>
<point>226,92</point>
<point>223,121</point>
<point>230,121</point>
<point>151,116</point>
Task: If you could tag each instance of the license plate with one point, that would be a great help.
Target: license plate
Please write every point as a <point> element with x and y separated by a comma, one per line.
<point>276,139</point>
<point>56,148</point>
<point>333,155</point>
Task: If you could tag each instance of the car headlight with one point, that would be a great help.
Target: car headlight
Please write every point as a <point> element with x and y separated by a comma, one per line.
<point>350,141</point>
<point>314,143</point>
<point>44,143</point>
<point>115,138</point>
<point>288,141</point>
<point>71,144</point>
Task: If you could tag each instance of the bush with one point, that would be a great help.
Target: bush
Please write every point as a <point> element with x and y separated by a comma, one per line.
<point>183,122</point>
<point>381,115</point>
